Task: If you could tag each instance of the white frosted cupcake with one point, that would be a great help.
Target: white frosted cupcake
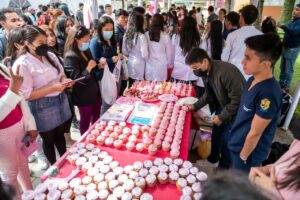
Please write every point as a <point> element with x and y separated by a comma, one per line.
<point>148,164</point>
<point>140,182</point>
<point>128,169</point>
<point>92,171</point>
<point>53,195</point>
<point>102,155</point>
<point>80,161</point>
<point>112,197</point>
<point>196,187</point>
<point>102,185</point>
<point>79,190</point>
<point>98,178</point>
<point>90,147</point>
<point>133,175</point>
<point>113,164</point>
<point>154,170</point>
<point>110,176</point>
<point>93,159</point>
<point>28,195</point>
<point>119,191</point>
<point>185,197</point>
<point>191,179</point>
<point>183,172</point>
<point>151,180</point>
<point>86,180</point>
<point>41,188</point>
<point>86,166</point>
<point>52,185</point>
<point>163,168</point>
<point>162,177</point>
<point>187,191</point>
<point>42,196</point>
<point>118,171</point>
<point>194,170</point>
<point>92,195</point>
<point>122,178</point>
<point>112,185</point>
<point>103,194</point>
<point>80,197</point>
<point>181,183</point>
<point>128,185</point>
<point>173,177</point>
<point>197,196</point>
<point>91,186</point>
<point>95,151</point>
<point>201,176</point>
<point>168,161</point>
<point>143,172</point>
<point>146,196</point>
<point>158,161</point>
<point>127,196</point>
<point>173,167</point>
<point>80,145</point>
<point>137,165</point>
<point>99,164</point>
<point>187,164</point>
<point>104,169</point>
<point>136,192</point>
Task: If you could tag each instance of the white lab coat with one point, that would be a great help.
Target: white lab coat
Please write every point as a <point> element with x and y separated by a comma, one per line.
<point>137,56</point>
<point>205,45</point>
<point>160,54</point>
<point>235,47</point>
<point>181,71</point>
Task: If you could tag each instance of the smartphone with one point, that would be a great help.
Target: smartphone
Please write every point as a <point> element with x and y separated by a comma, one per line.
<point>75,80</point>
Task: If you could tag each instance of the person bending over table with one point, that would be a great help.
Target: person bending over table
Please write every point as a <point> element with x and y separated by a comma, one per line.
<point>254,128</point>
<point>223,86</point>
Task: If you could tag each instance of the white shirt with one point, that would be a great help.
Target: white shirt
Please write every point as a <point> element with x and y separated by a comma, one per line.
<point>199,18</point>
<point>181,71</point>
<point>37,74</point>
<point>136,56</point>
<point>205,44</point>
<point>159,58</point>
<point>112,16</point>
<point>235,47</point>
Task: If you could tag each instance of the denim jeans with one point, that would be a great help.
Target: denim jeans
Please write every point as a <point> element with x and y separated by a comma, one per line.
<point>288,59</point>
<point>238,163</point>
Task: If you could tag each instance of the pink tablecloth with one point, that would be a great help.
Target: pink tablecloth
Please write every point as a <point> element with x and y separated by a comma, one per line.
<point>124,157</point>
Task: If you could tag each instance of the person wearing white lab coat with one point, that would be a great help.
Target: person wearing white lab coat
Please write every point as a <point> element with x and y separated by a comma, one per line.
<point>159,45</point>
<point>235,47</point>
<point>135,47</point>
<point>182,43</point>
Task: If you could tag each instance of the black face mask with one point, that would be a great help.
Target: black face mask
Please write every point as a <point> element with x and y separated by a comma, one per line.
<point>42,50</point>
<point>200,73</point>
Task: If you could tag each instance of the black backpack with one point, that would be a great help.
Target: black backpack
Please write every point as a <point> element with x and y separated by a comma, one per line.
<point>286,104</point>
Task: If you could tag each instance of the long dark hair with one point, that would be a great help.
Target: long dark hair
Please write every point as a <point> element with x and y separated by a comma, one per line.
<point>189,35</point>
<point>30,35</point>
<point>216,39</point>
<point>292,180</point>
<point>135,26</point>
<point>102,22</point>
<point>157,25</point>
<point>71,42</point>
<point>60,27</point>
<point>15,37</point>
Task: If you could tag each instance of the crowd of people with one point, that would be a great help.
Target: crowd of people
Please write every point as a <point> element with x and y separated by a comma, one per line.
<point>226,58</point>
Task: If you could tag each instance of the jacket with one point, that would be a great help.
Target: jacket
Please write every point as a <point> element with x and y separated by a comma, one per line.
<point>119,33</point>
<point>86,91</point>
<point>3,42</point>
<point>292,34</point>
<point>227,84</point>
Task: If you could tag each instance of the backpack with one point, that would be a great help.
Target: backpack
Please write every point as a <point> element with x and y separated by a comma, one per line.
<point>286,104</point>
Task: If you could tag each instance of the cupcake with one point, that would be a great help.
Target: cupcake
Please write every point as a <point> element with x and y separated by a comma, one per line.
<point>98,178</point>
<point>152,149</point>
<point>102,155</point>
<point>122,178</point>
<point>53,195</point>
<point>86,180</point>
<point>100,140</point>
<point>75,182</point>
<point>152,131</point>
<point>154,170</point>
<point>194,171</point>
<point>187,165</point>
<point>135,132</point>
<point>174,153</point>
<point>127,196</point>
<point>103,123</point>
<point>201,176</point>
<point>128,185</point>
<point>183,172</point>
<point>143,172</point>
<point>80,145</point>
<point>103,194</point>
<point>86,166</point>
<point>196,187</point>
<point>137,165</point>
<point>158,161</point>
<point>146,196</point>
<point>140,147</point>
<point>90,147</point>
<point>93,159</point>
<point>185,197</point>
<point>136,192</point>
<point>130,146</point>
<point>107,160</point>
<point>118,192</point>
<point>28,195</point>
<point>187,191</point>
<point>92,195</point>
<point>112,197</point>
<point>79,190</point>
<point>151,180</point>
<point>102,185</point>
<point>90,138</point>
<point>91,186</point>
<point>133,174</point>
<point>162,177</point>
<point>181,183</point>
<point>99,164</point>
<point>113,164</point>
<point>111,123</point>
<point>109,128</point>
<point>112,184</point>
<point>80,197</point>
<point>104,134</point>
<point>72,158</point>
<point>41,188</point>
<point>92,171</point>
<point>52,185</point>
<point>158,143</point>
<point>163,168</point>
<point>122,124</point>
<point>166,146</point>
<point>137,127</point>
<point>109,141</point>
<point>114,135</point>
<point>42,196</point>
<point>148,164</point>
<point>128,169</point>
<point>104,169</point>
<point>197,196</point>
<point>118,129</point>
<point>95,151</point>
<point>132,138</point>
<point>173,167</point>
<point>173,177</point>
<point>80,161</point>
<point>126,131</point>
<point>168,161</point>
<point>118,144</point>
<point>110,176</point>
<point>178,162</point>
<point>140,182</point>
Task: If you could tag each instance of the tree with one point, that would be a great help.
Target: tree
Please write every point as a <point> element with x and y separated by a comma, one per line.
<point>286,14</point>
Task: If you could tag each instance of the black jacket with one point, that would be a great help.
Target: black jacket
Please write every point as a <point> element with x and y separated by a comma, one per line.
<point>86,91</point>
<point>119,33</point>
<point>227,84</point>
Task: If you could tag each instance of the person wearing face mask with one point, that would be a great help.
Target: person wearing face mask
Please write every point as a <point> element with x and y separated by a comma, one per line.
<point>43,87</point>
<point>223,86</point>
<point>79,63</point>
<point>104,46</point>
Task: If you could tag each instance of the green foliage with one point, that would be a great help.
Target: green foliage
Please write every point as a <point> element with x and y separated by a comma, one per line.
<point>286,14</point>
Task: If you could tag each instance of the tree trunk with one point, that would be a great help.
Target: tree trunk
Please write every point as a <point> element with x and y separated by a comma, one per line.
<point>260,10</point>
<point>286,14</point>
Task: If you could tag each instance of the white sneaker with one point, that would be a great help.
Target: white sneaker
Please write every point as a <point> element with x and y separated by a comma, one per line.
<point>42,164</point>
<point>31,158</point>
<point>206,163</point>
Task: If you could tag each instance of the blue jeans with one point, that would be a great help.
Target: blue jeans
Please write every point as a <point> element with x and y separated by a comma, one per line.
<point>238,163</point>
<point>288,59</point>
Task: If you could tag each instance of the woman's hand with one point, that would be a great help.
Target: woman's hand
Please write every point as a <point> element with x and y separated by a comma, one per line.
<point>16,80</point>
<point>263,180</point>
<point>59,87</point>
<point>102,63</point>
<point>121,57</point>
<point>69,82</point>
<point>91,65</point>
<point>253,172</point>
<point>115,59</point>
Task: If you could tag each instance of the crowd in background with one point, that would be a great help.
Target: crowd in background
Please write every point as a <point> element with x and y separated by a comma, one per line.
<point>43,51</point>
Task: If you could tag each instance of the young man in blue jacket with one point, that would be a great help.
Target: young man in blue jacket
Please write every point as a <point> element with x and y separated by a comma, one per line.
<point>254,127</point>
<point>291,44</point>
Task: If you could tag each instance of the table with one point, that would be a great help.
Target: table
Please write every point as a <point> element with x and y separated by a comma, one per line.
<point>124,157</point>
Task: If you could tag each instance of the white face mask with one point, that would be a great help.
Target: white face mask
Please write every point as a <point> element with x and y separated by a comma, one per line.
<point>107,35</point>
